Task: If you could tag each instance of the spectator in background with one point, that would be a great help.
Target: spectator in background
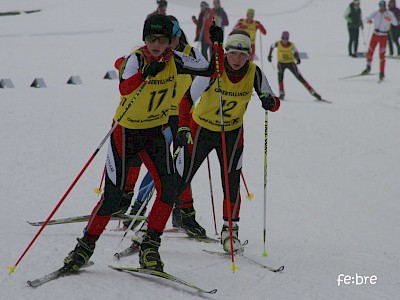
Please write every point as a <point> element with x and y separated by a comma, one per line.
<point>161,9</point>
<point>394,32</point>
<point>251,26</point>
<point>220,17</point>
<point>353,17</point>
<point>203,24</point>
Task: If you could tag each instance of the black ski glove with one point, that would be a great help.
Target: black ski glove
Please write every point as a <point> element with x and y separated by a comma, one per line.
<point>271,103</point>
<point>298,61</point>
<point>183,136</point>
<point>216,34</point>
<point>270,58</point>
<point>152,69</point>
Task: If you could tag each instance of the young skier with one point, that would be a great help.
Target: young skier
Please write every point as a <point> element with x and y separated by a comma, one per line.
<point>382,20</point>
<point>181,217</point>
<point>251,26</point>
<point>287,54</point>
<point>148,77</point>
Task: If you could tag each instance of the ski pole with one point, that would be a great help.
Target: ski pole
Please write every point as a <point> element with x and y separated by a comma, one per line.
<point>224,154</point>
<point>368,38</point>
<point>261,50</point>
<point>211,194</point>
<point>249,195</point>
<point>140,89</point>
<point>363,36</point>
<point>265,181</point>
<point>135,217</point>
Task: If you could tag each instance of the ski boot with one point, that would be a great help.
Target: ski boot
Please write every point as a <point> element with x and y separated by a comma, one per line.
<point>149,257</point>
<point>80,255</point>
<point>381,76</point>
<point>366,71</point>
<point>315,94</point>
<point>226,239</point>
<point>190,225</point>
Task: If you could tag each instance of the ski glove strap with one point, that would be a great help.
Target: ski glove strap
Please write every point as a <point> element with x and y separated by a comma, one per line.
<point>184,136</point>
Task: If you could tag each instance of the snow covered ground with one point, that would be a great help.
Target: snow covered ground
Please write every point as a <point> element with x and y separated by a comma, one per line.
<point>333,169</point>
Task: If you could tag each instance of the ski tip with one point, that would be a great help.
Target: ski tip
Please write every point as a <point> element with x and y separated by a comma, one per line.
<point>30,283</point>
<point>279,269</point>
<point>212,291</point>
<point>116,255</point>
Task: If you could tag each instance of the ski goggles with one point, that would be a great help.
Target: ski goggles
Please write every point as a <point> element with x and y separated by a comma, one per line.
<point>161,39</point>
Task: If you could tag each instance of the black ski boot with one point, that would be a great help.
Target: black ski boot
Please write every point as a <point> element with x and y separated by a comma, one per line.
<point>189,223</point>
<point>315,94</point>
<point>366,71</point>
<point>80,255</point>
<point>149,257</point>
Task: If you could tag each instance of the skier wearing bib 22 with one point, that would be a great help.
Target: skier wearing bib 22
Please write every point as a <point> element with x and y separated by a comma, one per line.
<point>203,125</point>
<point>149,78</point>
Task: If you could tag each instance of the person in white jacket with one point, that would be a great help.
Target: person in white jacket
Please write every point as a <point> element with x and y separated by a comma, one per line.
<point>382,19</point>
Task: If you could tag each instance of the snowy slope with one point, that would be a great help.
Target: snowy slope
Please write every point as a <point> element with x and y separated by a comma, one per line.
<point>333,169</point>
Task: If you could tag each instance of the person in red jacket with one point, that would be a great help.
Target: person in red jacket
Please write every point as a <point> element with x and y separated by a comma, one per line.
<point>251,26</point>
<point>203,24</point>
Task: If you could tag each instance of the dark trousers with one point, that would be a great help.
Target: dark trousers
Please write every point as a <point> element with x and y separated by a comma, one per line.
<point>293,68</point>
<point>353,40</point>
<point>394,35</point>
<point>204,141</point>
<point>153,149</point>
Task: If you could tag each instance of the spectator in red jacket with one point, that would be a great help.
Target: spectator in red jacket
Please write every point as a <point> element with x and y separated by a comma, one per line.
<point>251,26</point>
